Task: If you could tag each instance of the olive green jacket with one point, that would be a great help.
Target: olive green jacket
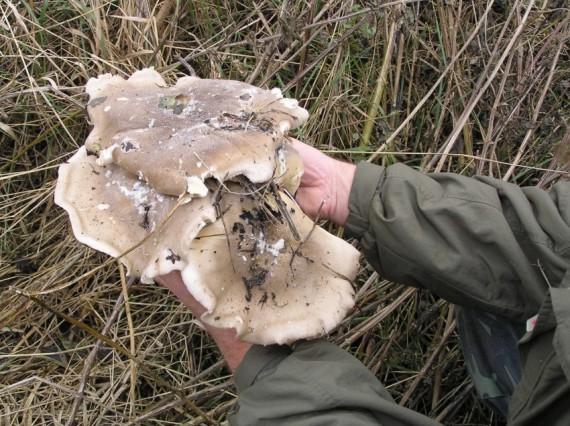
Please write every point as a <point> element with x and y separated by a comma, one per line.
<point>478,242</point>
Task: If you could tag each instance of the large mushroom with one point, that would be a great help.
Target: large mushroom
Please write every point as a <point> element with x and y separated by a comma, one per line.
<point>189,178</point>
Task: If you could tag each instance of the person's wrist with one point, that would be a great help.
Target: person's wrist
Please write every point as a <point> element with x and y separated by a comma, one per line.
<point>343,179</point>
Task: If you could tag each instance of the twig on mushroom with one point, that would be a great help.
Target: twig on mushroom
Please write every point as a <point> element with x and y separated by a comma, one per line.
<point>296,251</point>
<point>220,215</point>
<point>182,200</point>
<point>283,210</point>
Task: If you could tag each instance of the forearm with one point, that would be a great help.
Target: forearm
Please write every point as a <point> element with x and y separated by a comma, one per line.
<point>232,349</point>
<point>471,242</point>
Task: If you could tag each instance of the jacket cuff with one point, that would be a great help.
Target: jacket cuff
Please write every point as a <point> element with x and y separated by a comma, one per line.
<point>258,362</point>
<point>367,180</point>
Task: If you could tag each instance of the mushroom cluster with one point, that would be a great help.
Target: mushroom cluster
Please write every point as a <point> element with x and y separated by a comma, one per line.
<point>191,177</point>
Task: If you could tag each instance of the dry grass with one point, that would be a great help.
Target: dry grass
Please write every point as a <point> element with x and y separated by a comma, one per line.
<point>476,87</point>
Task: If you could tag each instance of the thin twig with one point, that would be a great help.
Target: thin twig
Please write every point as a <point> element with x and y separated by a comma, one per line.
<point>450,142</point>
<point>537,110</point>
<point>430,92</point>
<point>89,361</point>
<point>115,345</point>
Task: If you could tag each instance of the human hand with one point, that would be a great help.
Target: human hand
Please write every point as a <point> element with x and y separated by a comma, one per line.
<point>231,348</point>
<point>324,180</point>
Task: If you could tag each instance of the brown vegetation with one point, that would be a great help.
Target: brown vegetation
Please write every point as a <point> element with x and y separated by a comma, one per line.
<point>476,87</point>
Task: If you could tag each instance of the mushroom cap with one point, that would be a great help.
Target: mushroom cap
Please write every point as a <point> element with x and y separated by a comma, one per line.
<point>232,241</point>
<point>198,127</point>
<point>112,211</point>
<point>275,289</point>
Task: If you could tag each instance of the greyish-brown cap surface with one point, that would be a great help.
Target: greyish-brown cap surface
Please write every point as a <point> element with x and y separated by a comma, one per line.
<point>202,128</point>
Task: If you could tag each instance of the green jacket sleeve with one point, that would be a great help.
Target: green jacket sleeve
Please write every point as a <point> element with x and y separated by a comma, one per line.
<point>316,383</point>
<point>481,242</point>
